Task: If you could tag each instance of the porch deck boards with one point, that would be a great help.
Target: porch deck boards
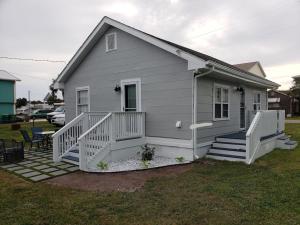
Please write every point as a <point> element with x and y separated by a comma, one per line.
<point>238,135</point>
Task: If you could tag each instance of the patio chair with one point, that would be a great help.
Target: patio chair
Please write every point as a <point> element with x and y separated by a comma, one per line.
<point>35,136</point>
<point>27,139</point>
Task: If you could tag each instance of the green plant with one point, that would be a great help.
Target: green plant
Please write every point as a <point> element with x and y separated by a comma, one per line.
<point>146,164</point>
<point>180,159</point>
<point>148,152</point>
<point>102,165</point>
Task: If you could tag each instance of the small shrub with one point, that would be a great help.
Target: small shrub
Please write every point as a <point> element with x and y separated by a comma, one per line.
<point>146,164</point>
<point>148,152</point>
<point>102,165</point>
<point>180,159</point>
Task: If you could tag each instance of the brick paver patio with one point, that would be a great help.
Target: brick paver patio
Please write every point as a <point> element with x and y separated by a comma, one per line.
<point>38,166</point>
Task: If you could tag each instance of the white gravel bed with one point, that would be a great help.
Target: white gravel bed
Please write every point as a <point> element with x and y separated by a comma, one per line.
<point>137,164</point>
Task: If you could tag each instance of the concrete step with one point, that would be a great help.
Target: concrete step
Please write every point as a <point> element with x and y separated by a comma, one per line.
<point>228,145</point>
<point>231,140</point>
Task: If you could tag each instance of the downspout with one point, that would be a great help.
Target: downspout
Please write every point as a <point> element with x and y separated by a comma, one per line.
<point>195,94</point>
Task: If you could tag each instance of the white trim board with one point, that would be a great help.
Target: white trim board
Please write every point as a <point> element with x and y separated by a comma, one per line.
<point>77,89</point>
<point>172,142</point>
<point>115,40</point>
<point>138,83</point>
<point>222,86</point>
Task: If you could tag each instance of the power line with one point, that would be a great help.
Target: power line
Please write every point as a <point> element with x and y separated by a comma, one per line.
<point>32,59</point>
<point>26,75</point>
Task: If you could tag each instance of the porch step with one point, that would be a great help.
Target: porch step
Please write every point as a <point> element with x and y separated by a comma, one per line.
<point>71,159</point>
<point>231,152</point>
<point>229,145</point>
<point>226,157</point>
<point>230,140</point>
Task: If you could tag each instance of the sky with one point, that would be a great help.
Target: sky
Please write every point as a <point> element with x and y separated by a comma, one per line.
<point>234,31</point>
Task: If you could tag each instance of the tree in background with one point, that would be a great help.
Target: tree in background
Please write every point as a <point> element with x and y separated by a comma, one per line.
<point>36,102</point>
<point>53,97</point>
<point>295,89</point>
<point>21,102</point>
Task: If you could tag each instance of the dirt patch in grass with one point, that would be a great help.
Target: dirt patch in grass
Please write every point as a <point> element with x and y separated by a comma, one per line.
<point>122,181</point>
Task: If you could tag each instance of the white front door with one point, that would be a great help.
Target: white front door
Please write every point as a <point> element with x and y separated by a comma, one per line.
<point>131,95</point>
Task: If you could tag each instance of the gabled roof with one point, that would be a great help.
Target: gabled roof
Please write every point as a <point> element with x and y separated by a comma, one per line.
<point>4,75</point>
<point>248,65</point>
<point>281,92</point>
<point>195,59</point>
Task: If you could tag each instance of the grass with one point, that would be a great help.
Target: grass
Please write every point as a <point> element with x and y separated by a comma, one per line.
<point>267,192</point>
<point>7,133</point>
<point>293,118</point>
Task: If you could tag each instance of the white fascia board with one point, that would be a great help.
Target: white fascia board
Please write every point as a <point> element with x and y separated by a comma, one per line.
<point>193,61</point>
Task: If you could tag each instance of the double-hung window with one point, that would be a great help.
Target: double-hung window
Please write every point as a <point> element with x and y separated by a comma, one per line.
<point>221,102</point>
<point>111,41</point>
<point>256,102</point>
<point>82,100</point>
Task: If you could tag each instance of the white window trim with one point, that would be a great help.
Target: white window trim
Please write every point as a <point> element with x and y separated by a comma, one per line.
<point>255,93</point>
<point>214,92</point>
<point>138,82</point>
<point>106,41</point>
<point>84,88</point>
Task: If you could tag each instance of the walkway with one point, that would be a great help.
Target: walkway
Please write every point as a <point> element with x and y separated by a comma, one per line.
<point>38,166</point>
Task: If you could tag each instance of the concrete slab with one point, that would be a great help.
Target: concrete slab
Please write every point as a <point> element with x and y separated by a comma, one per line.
<point>59,172</point>
<point>48,170</point>
<point>39,177</point>
<point>23,171</point>
<point>31,174</point>
<point>41,167</point>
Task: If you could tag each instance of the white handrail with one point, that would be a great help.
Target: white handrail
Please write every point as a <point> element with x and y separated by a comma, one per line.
<point>94,141</point>
<point>265,123</point>
<point>67,137</point>
<point>115,126</point>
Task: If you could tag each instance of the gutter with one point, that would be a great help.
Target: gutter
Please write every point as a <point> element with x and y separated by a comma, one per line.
<point>195,102</point>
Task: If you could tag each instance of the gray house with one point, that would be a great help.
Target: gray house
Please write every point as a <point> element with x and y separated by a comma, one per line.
<point>124,88</point>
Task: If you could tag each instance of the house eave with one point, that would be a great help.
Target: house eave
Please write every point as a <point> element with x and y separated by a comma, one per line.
<point>255,80</point>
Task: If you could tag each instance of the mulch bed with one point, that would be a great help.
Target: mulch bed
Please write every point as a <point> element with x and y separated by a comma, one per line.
<point>121,181</point>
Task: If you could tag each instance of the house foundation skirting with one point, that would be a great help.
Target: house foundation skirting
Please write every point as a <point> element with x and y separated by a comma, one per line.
<point>171,147</point>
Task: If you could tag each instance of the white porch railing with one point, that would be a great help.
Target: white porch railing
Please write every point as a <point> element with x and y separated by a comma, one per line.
<point>115,126</point>
<point>67,137</point>
<point>265,123</point>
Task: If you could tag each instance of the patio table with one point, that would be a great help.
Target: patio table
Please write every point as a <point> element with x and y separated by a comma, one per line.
<point>46,135</point>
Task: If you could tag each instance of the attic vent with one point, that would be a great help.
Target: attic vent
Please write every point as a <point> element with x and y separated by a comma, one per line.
<point>111,42</point>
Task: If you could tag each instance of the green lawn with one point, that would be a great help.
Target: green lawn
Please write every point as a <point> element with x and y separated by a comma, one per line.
<point>267,192</point>
<point>293,118</point>
<point>7,133</point>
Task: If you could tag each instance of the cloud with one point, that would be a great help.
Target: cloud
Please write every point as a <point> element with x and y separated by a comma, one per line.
<point>234,31</point>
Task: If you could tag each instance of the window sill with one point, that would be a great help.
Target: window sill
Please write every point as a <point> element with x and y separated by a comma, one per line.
<point>220,119</point>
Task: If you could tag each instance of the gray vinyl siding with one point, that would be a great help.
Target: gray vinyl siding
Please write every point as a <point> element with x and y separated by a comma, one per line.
<point>166,85</point>
<point>205,108</point>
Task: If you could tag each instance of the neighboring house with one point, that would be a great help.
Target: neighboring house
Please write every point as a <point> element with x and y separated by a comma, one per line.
<point>281,100</point>
<point>150,90</point>
<point>7,93</point>
<point>252,67</point>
